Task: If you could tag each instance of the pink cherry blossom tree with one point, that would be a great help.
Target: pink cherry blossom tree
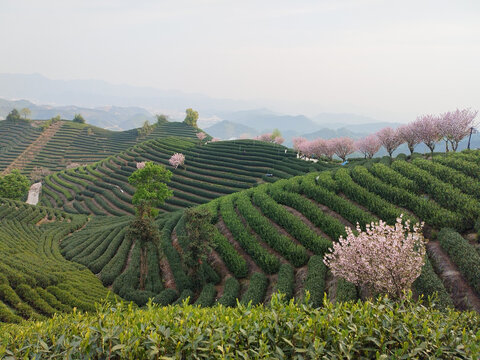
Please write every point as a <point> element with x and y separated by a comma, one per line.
<point>177,159</point>
<point>279,140</point>
<point>215,139</point>
<point>368,145</point>
<point>409,134</point>
<point>386,259</point>
<point>456,125</point>
<point>267,137</point>
<point>201,136</point>
<point>318,147</point>
<point>297,140</point>
<point>329,149</point>
<point>389,139</point>
<point>140,165</point>
<point>306,148</point>
<point>428,130</point>
<point>343,147</point>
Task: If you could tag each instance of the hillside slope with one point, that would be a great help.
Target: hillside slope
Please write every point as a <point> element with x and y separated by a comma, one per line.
<point>35,280</point>
<point>210,171</point>
<point>74,143</point>
<point>273,237</point>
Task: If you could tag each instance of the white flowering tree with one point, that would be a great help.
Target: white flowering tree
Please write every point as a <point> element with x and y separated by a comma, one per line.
<point>177,159</point>
<point>386,259</point>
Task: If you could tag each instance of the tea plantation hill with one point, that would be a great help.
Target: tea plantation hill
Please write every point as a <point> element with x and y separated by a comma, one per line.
<point>272,237</point>
<point>35,280</point>
<point>210,171</point>
<point>71,142</point>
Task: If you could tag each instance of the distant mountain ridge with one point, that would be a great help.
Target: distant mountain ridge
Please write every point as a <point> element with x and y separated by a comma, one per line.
<point>107,117</point>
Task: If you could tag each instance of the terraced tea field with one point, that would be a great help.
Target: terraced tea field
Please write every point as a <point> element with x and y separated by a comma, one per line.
<point>35,279</point>
<point>273,237</point>
<point>210,171</point>
<point>74,143</point>
<point>274,218</point>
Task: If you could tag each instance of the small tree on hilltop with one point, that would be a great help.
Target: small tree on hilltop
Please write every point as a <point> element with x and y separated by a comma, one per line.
<point>146,129</point>
<point>161,119</point>
<point>275,133</point>
<point>151,191</point>
<point>386,259</point>
<point>13,115</point>
<point>25,113</point>
<point>279,140</point>
<point>191,118</point>
<point>14,185</point>
<point>201,136</point>
<point>177,159</point>
<point>200,231</point>
<point>78,118</point>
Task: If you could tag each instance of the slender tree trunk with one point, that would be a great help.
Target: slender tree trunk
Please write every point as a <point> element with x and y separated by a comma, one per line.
<point>411,148</point>
<point>446,146</point>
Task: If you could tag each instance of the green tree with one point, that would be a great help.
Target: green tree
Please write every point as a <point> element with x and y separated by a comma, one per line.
<point>191,118</point>
<point>78,118</point>
<point>200,231</point>
<point>152,189</point>
<point>14,115</point>
<point>276,133</point>
<point>161,119</point>
<point>25,112</point>
<point>145,129</point>
<point>14,185</point>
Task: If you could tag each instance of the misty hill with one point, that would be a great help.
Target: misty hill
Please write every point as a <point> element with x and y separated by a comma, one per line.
<point>330,133</point>
<point>97,93</point>
<point>264,120</point>
<point>338,120</point>
<point>227,130</point>
<point>107,117</point>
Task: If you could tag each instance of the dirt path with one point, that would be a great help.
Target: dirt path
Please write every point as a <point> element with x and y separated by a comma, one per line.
<point>272,282</point>
<point>300,276</point>
<point>34,148</point>
<point>167,275</point>
<point>218,265</point>
<point>129,258</point>
<point>252,266</point>
<point>462,294</point>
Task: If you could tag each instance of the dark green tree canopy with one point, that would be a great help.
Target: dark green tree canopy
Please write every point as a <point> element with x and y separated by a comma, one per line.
<point>14,115</point>
<point>14,185</point>
<point>152,189</point>
<point>191,118</point>
<point>78,118</point>
<point>161,118</point>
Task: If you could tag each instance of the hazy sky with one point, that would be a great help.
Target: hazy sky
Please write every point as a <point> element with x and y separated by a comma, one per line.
<point>387,59</point>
